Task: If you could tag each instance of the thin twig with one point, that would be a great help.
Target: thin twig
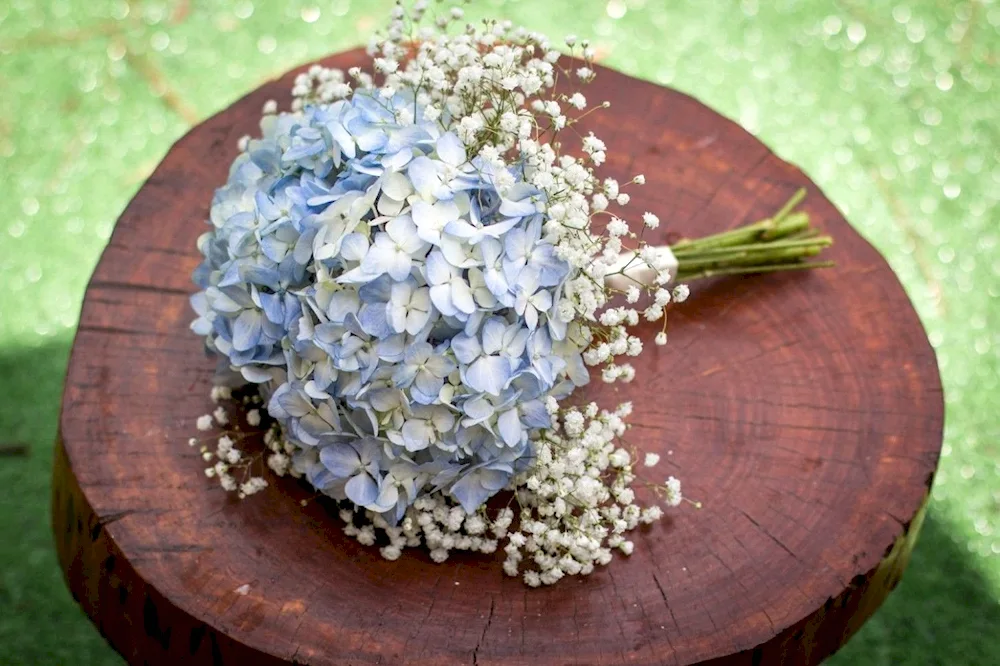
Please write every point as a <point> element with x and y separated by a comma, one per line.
<point>902,220</point>
<point>16,450</point>
<point>44,38</point>
<point>181,10</point>
<point>158,83</point>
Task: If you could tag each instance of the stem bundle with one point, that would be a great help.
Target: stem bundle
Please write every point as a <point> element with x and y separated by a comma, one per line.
<point>782,242</point>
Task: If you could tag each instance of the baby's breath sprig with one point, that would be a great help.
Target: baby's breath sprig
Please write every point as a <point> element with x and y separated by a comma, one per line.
<point>236,468</point>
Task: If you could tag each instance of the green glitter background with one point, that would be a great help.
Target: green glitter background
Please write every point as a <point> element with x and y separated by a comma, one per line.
<point>891,107</point>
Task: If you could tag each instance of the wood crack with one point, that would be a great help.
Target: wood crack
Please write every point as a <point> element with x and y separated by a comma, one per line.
<point>489,621</point>
<point>147,288</point>
<point>771,536</point>
<point>172,548</point>
<point>666,603</point>
<point>115,330</point>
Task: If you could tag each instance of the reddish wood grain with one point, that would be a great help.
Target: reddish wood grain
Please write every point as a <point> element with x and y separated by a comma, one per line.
<point>804,411</point>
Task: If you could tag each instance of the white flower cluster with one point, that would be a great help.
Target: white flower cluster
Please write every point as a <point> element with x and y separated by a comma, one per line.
<point>435,523</point>
<point>321,85</point>
<point>577,501</point>
<point>233,467</point>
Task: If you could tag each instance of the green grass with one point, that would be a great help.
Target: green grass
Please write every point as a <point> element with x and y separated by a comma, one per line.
<point>889,106</point>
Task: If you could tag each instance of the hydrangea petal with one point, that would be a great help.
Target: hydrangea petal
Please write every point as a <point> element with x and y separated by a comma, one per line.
<point>396,185</point>
<point>416,319</point>
<point>509,427</point>
<point>396,315</point>
<point>488,374</point>
<point>461,296</point>
<point>534,414</point>
<point>380,256</point>
<point>361,489</point>
<point>493,334</point>
<point>428,385</point>
<point>342,460</point>
<point>531,317</point>
<point>374,320</point>
<point>450,149</point>
<point>441,297</point>
<point>424,176</point>
<point>354,246</point>
<point>478,408</point>
<point>247,330</point>
<point>417,434</point>
<point>391,348</point>
<point>466,348</point>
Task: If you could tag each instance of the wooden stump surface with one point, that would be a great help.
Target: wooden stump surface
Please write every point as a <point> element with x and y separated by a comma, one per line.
<point>803,410</point>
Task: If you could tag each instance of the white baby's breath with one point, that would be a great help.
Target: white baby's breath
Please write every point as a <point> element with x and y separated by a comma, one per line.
<point>221,416</point>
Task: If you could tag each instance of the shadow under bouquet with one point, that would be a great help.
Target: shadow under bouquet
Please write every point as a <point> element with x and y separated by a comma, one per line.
<point>410,272</point>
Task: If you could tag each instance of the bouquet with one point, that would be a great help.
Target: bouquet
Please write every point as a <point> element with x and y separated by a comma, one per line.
<point>409,274</point>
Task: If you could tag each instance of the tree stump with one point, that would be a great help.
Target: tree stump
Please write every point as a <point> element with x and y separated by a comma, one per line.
<point>803,410</point>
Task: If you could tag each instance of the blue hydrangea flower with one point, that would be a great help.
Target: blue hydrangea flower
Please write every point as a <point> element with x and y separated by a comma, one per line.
<point>426,426</point>
<point>482,480</point>
<point>358,463</point>
<point>523,247</point>
<point>449,290</point>
<point>423,371</point>
<point>433,178</point>
<point>393,250</point>
<point>432,218</point>
<point>397,305</point>
<point>409,307</point>
<point>490,359</point>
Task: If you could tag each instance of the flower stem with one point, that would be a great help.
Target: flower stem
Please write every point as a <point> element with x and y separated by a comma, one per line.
<point>743,270</point>
<point>781,242</point>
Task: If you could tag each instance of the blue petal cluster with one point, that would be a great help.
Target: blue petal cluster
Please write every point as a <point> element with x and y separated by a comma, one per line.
<point>396,304</point>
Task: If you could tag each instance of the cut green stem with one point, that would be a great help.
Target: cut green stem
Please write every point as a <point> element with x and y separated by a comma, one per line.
<point>779,243</point>
<point>746,270</point>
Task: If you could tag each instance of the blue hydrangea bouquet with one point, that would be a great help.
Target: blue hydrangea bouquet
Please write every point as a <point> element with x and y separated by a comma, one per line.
<point>414,276</point>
